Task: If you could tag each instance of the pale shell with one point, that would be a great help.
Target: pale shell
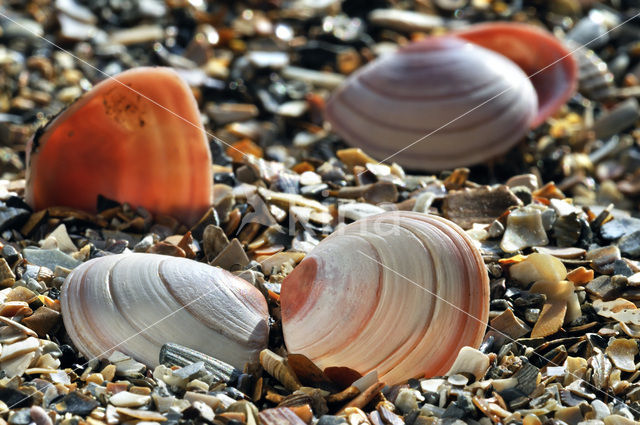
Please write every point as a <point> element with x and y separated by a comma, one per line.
<point>400,293</point>
<point>135,303</point>
<point>435,104</point>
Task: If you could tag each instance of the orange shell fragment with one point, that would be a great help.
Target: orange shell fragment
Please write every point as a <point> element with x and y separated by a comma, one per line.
<point>135,138</point>
<point>238,150</point>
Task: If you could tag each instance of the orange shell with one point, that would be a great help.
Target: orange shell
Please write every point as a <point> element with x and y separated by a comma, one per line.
<point>548,63</point>
<point>135,138</point>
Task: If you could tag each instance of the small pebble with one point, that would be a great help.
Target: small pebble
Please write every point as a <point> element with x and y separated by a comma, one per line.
<point>128,399</point>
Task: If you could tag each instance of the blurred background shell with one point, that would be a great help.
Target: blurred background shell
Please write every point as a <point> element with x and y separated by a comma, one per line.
<point>455,100</point>
<point>435,104</point>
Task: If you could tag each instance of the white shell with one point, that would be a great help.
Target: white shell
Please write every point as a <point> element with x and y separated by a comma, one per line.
<point>348,304</point>
<point>135,303</point>
<point>456,102</point>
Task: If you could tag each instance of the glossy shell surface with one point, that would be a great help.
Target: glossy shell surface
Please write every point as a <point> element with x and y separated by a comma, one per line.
<point>135,303</point>
<point>435,104</point>
<point>135,138</point>
<point>399,293</point>
<point>550,66</point>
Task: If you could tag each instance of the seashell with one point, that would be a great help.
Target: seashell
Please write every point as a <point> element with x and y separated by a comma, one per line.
<point>622,353</point>
<point>277,367</point>
<point>177,355</point>
<point>594,31</point>
<point>125,140</point>
<point>342,308</point>
<point>545,60</point>
<point>524,229</point>
<point>136,303</point>
<point>443,102</point>
<point>595,81</point>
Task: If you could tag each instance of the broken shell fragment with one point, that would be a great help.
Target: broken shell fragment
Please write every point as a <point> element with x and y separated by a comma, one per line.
<point>622,353</point>
<point>122,140</point>
<point>471,361</point>
<point>177,355</point>
<point>538,267</point>
<point>385,288</point>
<point>135,303</point>
<point>524,229</point>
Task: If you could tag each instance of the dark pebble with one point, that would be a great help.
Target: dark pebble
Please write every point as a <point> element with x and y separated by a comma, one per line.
<point>190,413</point>
<point>245,383</point>
<point>527,377</point>
<point>497,288</point>
<point>104,203</point>
<point>11,254</point>
<point>15,398</point>
<point>173,418</point>
<point>619,227</point>
<point>57,282</point>
<point>622,268</point>
<point>566,230</point>
<point>225,178</point>
<point>18,202</point>
<point>531,315</point>
<point>54,293</point>
<point>602,287</point>
<point>210,217</point>
<point>524,193</point>
<point>586,234</point>
<point>218,153</point>
<point>495,270</point>
<point>76,404</point>
<point>414,384</point>
<point>234,393</point>
<point>530,300</point>
<point>460,408</point>
<point>499,305</point>
<point>247,174</point>
<point>603,258</point>
<point>331,420</point>
<point>630,244</point>
<point>116,246</point>
<point>431,398</point>
<point>487,344</point>
<point>69,356</point>
<point>12,217</point>
<point>410,418</point>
